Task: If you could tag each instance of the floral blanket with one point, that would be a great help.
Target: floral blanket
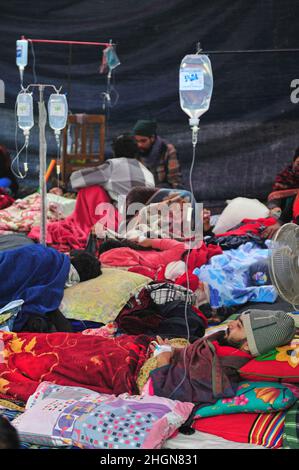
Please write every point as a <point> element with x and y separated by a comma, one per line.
<point>23,214</point>
<point>101,364</point>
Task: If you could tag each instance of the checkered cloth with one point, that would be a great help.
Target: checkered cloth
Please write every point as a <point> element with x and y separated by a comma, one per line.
<point>161,293</point>
<point>117,176</point>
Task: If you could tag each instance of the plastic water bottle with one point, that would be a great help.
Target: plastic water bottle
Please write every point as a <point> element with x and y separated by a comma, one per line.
<point>25,112</point>
<point>196,86</point>
<point>22,55</point>
<point>58,111</point>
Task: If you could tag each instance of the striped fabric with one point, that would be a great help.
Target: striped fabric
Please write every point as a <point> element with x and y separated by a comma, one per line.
<point>267,430</point>
<point>291,428</point>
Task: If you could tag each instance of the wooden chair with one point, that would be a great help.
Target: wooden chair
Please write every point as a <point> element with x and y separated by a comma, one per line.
<point>83,143</point>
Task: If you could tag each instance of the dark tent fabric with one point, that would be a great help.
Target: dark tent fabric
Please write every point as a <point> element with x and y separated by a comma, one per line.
<point>250,131</point>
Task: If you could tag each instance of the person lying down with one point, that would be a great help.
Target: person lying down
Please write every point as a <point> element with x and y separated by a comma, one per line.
<point>38,275</point>
<point>123,364</point>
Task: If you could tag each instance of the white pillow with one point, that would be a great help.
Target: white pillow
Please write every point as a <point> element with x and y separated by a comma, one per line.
<point>65,205</point>
<point>238,209</point>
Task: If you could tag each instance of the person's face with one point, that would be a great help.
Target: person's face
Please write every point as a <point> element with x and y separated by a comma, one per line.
<point>144,143</point>
<point>235,331</point>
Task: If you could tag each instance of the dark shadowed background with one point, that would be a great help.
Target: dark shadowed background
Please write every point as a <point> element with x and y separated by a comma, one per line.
<point>251,129</point>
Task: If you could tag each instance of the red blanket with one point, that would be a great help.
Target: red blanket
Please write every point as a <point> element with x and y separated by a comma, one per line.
<point>5,199</point>
<point>101,364</point>
<point>73,231</point>
<point>254,226</point>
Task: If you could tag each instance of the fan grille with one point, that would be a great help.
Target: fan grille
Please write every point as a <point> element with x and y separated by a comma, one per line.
<point>284,263</point>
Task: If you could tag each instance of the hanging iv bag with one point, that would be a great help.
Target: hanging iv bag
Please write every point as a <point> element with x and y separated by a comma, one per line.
<point>58,111</point>
<point>25,112</point>
<point>196,86</point>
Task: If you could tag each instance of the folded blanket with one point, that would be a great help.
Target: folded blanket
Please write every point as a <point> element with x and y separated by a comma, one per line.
<point>36,274</point>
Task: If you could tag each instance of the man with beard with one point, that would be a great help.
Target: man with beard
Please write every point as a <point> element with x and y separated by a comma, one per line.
<point>207,369</point>
<point>157,155</point>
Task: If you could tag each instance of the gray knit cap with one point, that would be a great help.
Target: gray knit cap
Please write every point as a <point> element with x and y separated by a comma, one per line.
<point>267,329</point>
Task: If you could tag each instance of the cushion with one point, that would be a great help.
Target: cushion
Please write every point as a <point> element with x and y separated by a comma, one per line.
<point>101,299</point>
<point>252,397</point>
<point>238,209</point>
<point>264,429</point>
<point>280,364</point>
<point>61,415</point>
<point>65,205</point>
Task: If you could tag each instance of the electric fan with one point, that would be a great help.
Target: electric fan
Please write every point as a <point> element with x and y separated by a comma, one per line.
<point>284,263</point>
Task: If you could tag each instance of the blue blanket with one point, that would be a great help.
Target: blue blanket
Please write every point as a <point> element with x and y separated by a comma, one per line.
<point>36,274</point>
<point>228,277</point>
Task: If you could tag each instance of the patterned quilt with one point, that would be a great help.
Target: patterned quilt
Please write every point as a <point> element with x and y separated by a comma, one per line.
<point>23,214</point>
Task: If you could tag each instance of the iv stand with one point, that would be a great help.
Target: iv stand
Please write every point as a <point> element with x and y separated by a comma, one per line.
<point>42,119</point>
<point>42,164</point>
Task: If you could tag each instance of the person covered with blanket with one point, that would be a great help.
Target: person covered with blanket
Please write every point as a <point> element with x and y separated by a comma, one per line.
<point>98,191</point>
<point>283,201</point>
<point>200,372</point>
<point>116,175</point>
<point>38,275</point>
<point>207,369</point>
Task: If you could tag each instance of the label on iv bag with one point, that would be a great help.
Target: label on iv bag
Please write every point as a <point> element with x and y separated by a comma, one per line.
<point>23,109</point>
<point>57,109</point>
<point>191,79</point>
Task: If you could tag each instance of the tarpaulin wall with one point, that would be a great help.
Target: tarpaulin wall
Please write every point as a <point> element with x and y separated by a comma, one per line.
<point>251,129</point>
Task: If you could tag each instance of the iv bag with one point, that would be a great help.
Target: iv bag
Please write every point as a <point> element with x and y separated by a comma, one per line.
<point>109,60</point>
<point>196,85</point>
<point>25,111</point>
<point>58,111</point>
<point>22,53</point>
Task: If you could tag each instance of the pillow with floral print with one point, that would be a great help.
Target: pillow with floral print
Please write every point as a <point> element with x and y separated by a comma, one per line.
<point>251,397</point>
<point>282,363</point>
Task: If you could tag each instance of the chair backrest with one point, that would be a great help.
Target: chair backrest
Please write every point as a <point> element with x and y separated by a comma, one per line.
<point>83,143</point>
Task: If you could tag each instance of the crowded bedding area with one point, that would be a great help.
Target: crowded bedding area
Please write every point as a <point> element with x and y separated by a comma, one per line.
<point>125,331</point>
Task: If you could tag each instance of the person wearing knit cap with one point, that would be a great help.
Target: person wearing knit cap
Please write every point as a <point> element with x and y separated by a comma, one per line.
<point>267,329</point>
<point>260,331</point>
<point>254,332</point>
<point>189,373</point>
<point>159,156</point>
